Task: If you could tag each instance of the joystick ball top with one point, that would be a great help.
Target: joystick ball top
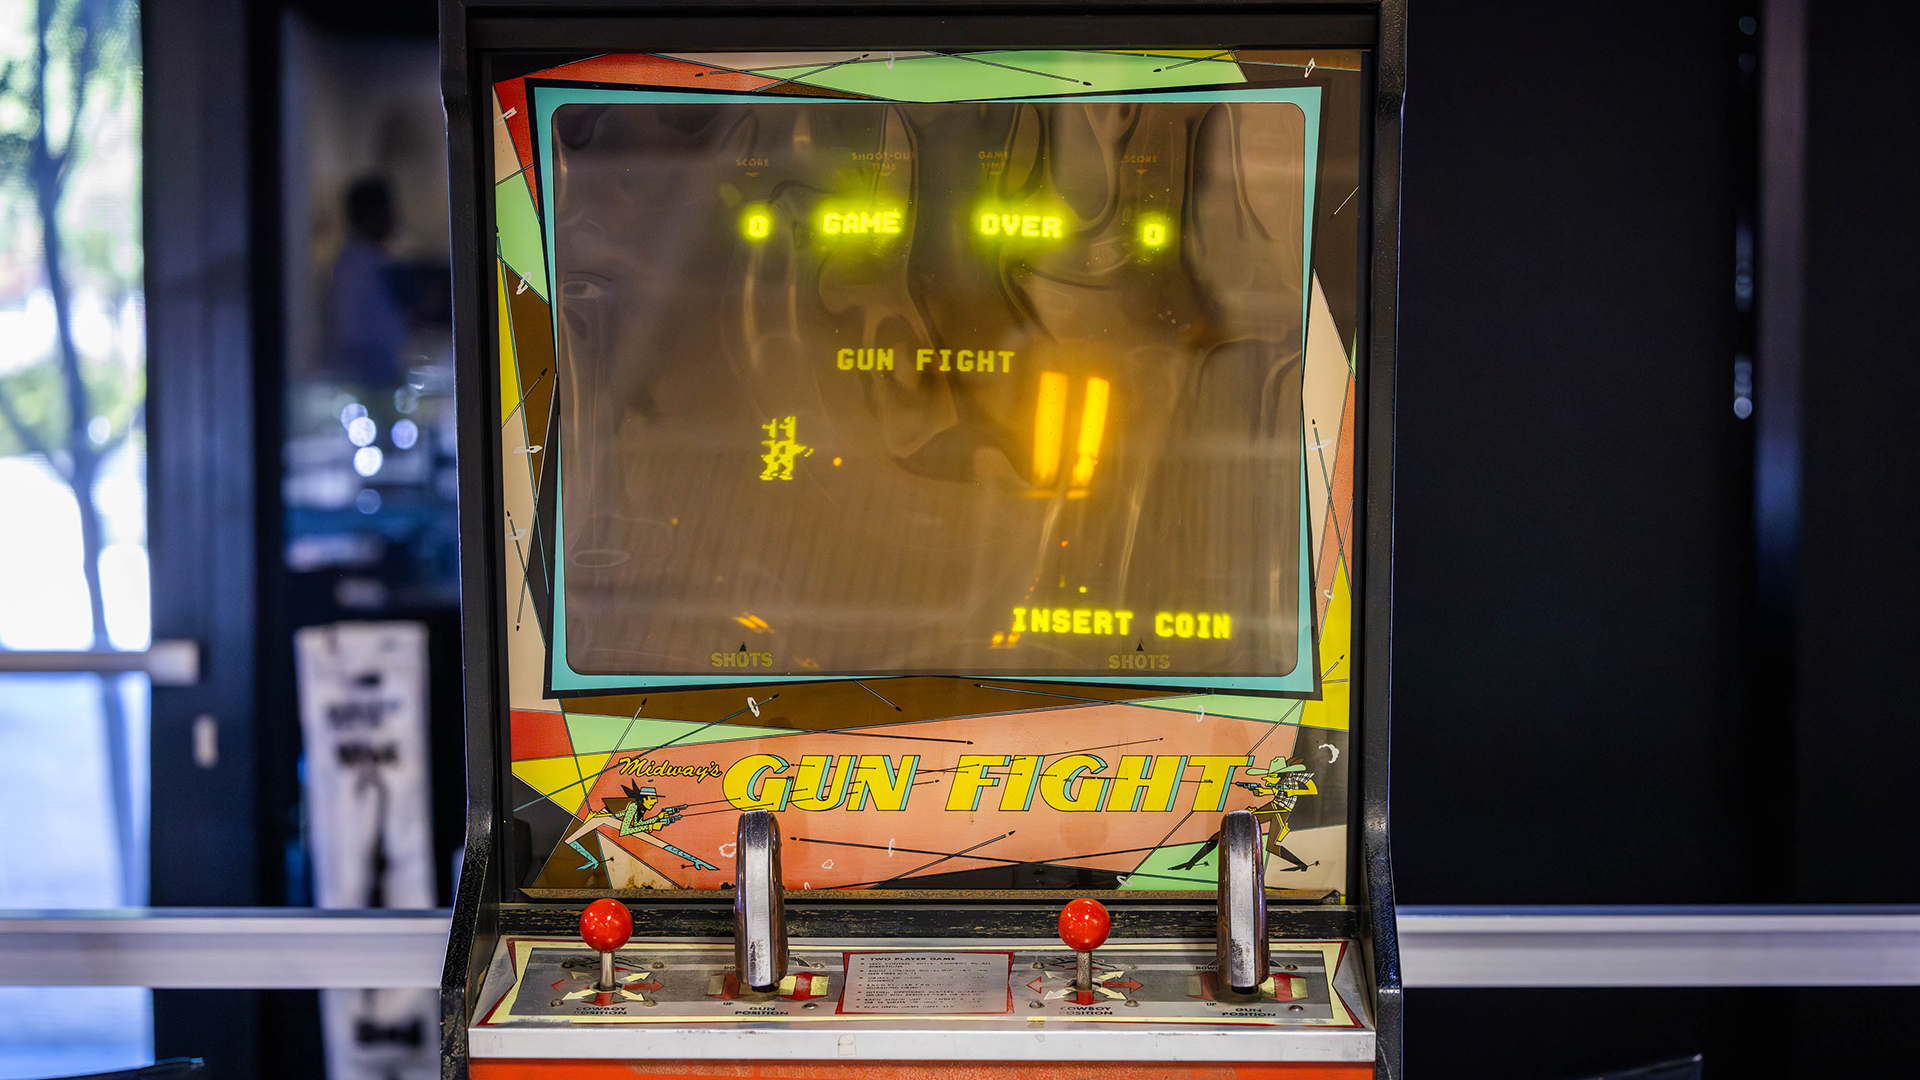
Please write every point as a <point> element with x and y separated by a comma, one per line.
<point>607,924</point>
<point>1084,924</point>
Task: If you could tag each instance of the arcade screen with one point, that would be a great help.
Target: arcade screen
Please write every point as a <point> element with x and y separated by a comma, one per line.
<point>900,405</point>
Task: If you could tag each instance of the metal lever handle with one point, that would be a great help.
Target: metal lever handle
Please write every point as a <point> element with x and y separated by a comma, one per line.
<point>759,904</point>
<point>1242,931</point>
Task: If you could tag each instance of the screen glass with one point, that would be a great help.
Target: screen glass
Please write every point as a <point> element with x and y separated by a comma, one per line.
<point>1002,389</point>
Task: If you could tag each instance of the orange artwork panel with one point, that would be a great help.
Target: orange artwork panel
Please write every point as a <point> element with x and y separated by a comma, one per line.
<point>919,1070</point>
<point>1333,545</point>
<point>944,795</point>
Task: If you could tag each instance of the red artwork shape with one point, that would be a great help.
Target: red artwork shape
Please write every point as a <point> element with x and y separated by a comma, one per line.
<point>540,735</point>
<point>636,69</point>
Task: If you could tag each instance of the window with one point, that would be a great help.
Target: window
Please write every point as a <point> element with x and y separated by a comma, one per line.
<point>73,755</point>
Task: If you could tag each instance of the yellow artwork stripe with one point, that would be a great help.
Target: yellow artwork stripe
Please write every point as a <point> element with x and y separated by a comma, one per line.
<point>559,779</point>
<point>509,366</point>
<point>1333,711</point>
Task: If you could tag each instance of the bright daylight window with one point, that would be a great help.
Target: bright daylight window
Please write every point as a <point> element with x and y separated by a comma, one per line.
<point>73,754</point>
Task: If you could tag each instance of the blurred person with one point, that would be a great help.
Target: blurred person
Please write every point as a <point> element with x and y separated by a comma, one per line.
<point>367,320</point>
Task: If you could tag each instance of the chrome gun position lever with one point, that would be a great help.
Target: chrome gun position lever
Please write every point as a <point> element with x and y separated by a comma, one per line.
<point>759,904</point>
<point>1241,944</point>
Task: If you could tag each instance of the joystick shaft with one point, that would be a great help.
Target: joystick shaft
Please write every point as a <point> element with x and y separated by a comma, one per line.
<point>759,904</point>
<point>1241,934</point>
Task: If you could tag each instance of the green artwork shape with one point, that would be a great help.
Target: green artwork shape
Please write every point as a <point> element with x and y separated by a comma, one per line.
<point>1160,870</point>
<point>973,76</point>
<point>521,247</point>
<point>600,734</point>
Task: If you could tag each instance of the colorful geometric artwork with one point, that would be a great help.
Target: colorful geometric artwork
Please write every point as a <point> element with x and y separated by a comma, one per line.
<point>1084,346</point>
<point>970,76</point>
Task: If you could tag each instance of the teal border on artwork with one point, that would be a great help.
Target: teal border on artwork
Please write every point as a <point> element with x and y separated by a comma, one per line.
<point>1302,679</point>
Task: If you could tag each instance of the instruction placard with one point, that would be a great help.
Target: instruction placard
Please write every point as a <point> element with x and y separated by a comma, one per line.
<point>928,982</point>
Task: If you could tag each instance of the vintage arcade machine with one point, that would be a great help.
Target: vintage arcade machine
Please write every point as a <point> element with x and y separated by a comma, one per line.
<point>925,505</point>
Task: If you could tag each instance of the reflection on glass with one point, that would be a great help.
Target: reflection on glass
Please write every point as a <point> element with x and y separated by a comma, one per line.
<point>369,469</point>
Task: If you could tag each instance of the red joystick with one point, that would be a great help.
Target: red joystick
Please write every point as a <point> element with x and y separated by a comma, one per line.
<point>606,925</point>
<point>1083,926</point>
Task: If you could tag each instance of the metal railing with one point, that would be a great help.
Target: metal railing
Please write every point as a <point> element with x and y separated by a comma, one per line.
<point>167,663</point>
<point>300,948</point>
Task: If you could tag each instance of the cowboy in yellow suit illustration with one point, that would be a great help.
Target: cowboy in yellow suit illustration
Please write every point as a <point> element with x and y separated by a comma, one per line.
<point>1281,783</point>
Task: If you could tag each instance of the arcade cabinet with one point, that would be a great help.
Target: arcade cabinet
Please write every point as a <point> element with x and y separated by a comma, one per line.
<point>925,513</point>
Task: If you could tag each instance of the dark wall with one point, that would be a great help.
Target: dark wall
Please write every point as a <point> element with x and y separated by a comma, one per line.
<point>202,406</point>
<point>1575,717</point>
<point>1857,704</point>
<point>1573,510</point>
<point>1583,707</point>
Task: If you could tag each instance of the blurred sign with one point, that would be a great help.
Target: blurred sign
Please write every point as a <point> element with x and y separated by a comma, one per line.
<point>363,718</point>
